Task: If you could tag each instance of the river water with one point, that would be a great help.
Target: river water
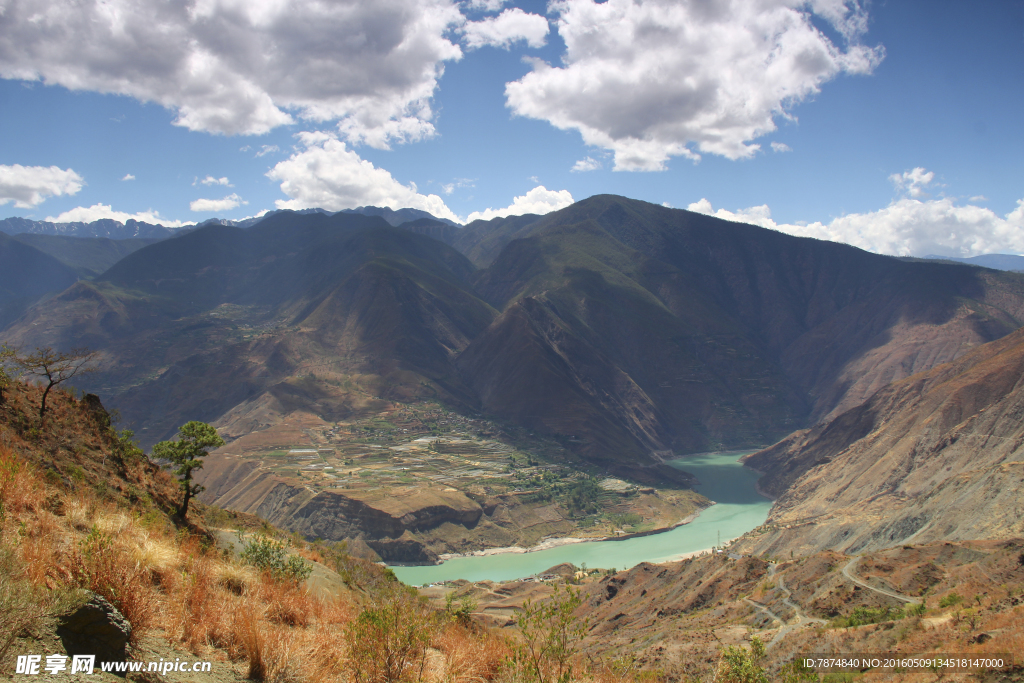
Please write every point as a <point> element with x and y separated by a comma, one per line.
<point>723,479</point>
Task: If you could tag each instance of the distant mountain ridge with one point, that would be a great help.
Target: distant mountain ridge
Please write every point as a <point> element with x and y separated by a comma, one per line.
<point>104,227</point>
<point>112,229</point>
<point>1012,262</point>
<point>632,330</point>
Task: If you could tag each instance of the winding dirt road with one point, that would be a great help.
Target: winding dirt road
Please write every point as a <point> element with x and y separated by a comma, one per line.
<point>848,573</point>
<point>800,619</point>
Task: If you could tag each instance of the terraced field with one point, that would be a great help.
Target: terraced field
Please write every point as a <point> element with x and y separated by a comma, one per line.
<point>455,483</point>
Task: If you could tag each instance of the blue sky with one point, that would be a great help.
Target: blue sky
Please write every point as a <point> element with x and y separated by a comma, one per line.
<point>894,126</point>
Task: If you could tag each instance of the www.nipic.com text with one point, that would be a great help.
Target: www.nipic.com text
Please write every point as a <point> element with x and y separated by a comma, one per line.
<point>33,665</point>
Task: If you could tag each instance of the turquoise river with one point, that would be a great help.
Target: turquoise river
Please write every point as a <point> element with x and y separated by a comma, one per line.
<point>739,508</point>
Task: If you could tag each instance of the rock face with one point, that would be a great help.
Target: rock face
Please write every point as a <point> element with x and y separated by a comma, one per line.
<point>937,456</point>
<point>95,628</point>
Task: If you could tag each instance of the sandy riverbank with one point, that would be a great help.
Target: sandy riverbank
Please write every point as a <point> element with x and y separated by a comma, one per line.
<point>549,543</point>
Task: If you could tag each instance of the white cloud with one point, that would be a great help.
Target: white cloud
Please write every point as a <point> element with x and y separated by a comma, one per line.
<point>210,180</point>
<point>649,79</point>
<point>232,201</point>
<point>539,200</point>
<point>267,149</point>
<point>979,198</point>
<point>326,174</point>
<point>510,26</point>
<point>244,66</point>
<point>907,227</point>
<point>586,164</point>
<point>128,176</point>
<point>98,211</point>
<point>913,182</point>
<point>781,147</point>
<point>29,186</point>
<point>457,183</point>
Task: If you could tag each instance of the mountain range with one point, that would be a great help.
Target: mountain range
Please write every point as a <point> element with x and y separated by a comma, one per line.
<point>631,330</point>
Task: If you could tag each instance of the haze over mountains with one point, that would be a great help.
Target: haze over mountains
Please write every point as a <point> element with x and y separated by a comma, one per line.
<point>630,329</point>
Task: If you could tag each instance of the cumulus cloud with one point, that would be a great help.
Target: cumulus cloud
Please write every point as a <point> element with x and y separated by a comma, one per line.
<point>232,201</point>
<point>210,180</point>
<point>913,182</point>
<point>586,164</point>
<point>781,147</point>
<point>324,173</point>
<point>128,176</point>
<point>654,79</point>
<point>539,200</point>
<point>29,186</point>
<point>507,28</point>
<point>266,149</point>
<point>88,214</point>
<point>907,227</point>
<point>244,66</point>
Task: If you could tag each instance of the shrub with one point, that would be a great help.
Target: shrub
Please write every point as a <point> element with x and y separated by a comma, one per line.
<point>950,600</point>
<point>386,639</point>
<point>551,635</point>
<point>868,615</point>
<point>270,556</point>
<point>459,610</point>
<point>739,665</point>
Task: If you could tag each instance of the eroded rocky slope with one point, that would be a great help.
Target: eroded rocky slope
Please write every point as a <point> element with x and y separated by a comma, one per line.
<point>933,457</point>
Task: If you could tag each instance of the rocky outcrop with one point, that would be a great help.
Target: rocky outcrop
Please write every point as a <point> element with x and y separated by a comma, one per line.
<point>95,628</point>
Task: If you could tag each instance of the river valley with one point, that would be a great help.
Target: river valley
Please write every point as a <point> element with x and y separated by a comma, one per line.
<point>738,509</point>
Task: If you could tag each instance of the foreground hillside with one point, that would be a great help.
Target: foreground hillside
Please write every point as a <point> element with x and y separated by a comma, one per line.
<point>93,562</point>
<point>933,457</point>
<point>686,621</point>
<point>626,329</point>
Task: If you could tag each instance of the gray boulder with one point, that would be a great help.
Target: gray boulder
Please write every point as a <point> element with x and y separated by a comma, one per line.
<point>95,628</point>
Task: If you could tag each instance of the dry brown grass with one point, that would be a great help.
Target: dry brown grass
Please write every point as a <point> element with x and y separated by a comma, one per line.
<point>468,656</point>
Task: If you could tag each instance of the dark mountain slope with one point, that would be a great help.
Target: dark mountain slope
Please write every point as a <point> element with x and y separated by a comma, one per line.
<point>732,333</point>
<point>88,256</point>
<point>933,457</point>
<point>622,371</point>
<point>26,275</point>
<point>318,312</point>
<point>442,232</point>
<point>482,241</point>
